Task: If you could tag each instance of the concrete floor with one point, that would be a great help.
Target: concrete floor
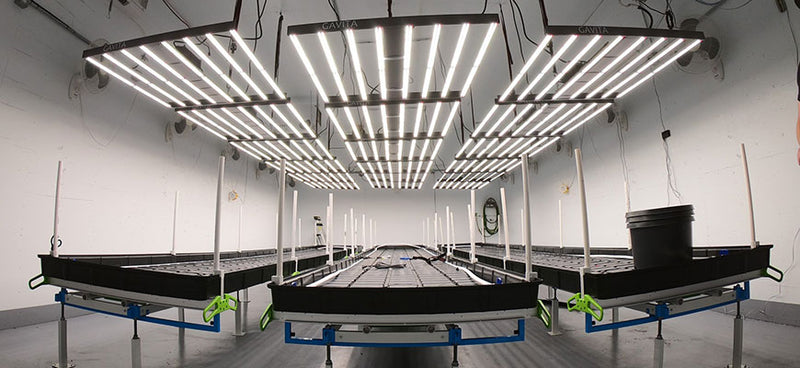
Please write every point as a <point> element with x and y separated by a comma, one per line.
<point>700,340</point>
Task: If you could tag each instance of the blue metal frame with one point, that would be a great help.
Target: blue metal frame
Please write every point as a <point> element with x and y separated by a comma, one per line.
<point>661,312</point>
<point>454,338</point>
<point>135,312</point>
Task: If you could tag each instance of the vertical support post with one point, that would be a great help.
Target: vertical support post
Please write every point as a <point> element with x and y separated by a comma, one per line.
<point>371,234</point>
<point>364,230</point>
<point>470,219</point>
<point>175,222</point>
<point>54,246</point>
<point>278,279</point>
<point>658,351</point>
<point>628,209</point>
<point>453,232</point>
<point>239,238</point>
<point>554,329</point>
<point>294,223</point>
<point>738,338</point>
<point>447,220</point>
<point>584,216</point>
<point>753,242</point>
<point>344,233</point>
<point>375,232</point>
<point>427,232</point>
<point>560,225</point>
<point>441,233</point>
<point>237,323</point>
<point>615,319</point>
<point>63,360</point>
<point>435,231</point>
<point>299,232</point>
<point>329,246</point>
<point>352,233</point>
<point>181,334</point>
<point>526,217</point>
<point>244,302</point>
<point>505,223</point>
<point>218,214</point>
<point>136,347</point>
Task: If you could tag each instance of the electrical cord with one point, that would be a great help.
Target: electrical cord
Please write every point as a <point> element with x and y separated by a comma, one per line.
<point>525,31</point>
<point>672,185</point>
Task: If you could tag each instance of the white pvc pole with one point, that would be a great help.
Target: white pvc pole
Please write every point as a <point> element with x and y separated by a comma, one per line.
<point>329,246</point>
<point>526,217</point>
<point>375,231</point>
<point>364,231</point>
<point>470,219</point>
<point>584,214</point>
<point>175,222</point>
<point>447,221</point>
<point>628,209</point>
<point>505,221</point>
<point>294,223</point>
<point>453,232</point>
<point>427,232</point>
<point>753,242</point>
<point>441,233</point>
<point>560,225</point>
<point>344,231</point>
<point>299,233</point>
<point>218,214</point>
<point>54,246</point>
<point>371,234</point>
<point>281,208</point>
<point>352,234</point>
<point>435,233</point>
<point>239,238</point>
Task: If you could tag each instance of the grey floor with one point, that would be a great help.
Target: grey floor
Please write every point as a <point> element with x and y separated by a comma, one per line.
<point>701,340</point>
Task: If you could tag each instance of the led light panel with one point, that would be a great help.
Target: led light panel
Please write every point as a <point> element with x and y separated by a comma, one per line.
<point>211,77</point>
<point>586,70</point>
<point>393,86</point>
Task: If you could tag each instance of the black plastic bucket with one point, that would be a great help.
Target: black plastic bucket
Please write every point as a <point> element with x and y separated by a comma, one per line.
<point>661,236</point>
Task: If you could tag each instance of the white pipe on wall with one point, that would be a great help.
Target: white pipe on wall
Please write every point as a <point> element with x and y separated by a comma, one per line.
<point>447,221</point>
<point>175,222</point>
<point>505,221</point>
<point>239,238</point>
<point>526,217</point>
<point>471,220</point>
<point>218,214</point>
<point>352,234</point>
<point>560,225</point>
<point>584,212</point>
<point>294,223</point>
<point>328,220</point>
<point>453,232</point>
<point>54,246</point>
<point>435,233</point>
<point>281,208</point>
<point>753,241</point>
<point>628,209</point>
<point>344,234</point>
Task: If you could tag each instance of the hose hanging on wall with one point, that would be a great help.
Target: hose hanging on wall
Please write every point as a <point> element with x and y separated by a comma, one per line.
<point>490,220</point>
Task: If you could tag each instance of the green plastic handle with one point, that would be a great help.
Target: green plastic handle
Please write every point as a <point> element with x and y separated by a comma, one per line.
<point>266,317</point>
<point>218,305</point>
<point>32,286</point>
<point>585,304</point>
<point>544,315</point>
<point>765,273</point>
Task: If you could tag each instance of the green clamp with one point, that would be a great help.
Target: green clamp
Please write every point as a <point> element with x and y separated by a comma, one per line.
<point>219,305</point>
<point>32,286</point>
<point>266,317</point>
<point>543,314</point>
<point>585,304</point>
<point>765,273</point>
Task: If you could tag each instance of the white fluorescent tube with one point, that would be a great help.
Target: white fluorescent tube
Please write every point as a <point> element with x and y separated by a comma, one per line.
<point>664,65</point>
<point>197,122</point>
<point>528,64</point>
<point>456,56</point>
<point>646,66</point>
<point>588,66</point>
<point>196,50</point>
<point>546,118</point>
<point>213,124</point>
<point>610,66</point>
<point>143,80</point>
<point>628,66</point>
<point>560,119</point>
<point>385,121</point>
<point>235,65</point>
<point>568,123</point>
<point>547,67</point>
<point>351,41</point>
<point>259,67</point>
<point>478,59</point>
<point>407,59</point>
<point>437,29</point>
<point>381,60</point>
<point>128,82</point>
<point>606,106</point>
<point>326,48</point>
<point>517,118</point>
<point>309,67</point>
<point>569,67</point>
<point>160,77</point>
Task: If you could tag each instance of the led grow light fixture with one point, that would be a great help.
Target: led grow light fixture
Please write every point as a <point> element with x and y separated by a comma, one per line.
<point>402,107</point>
<point>603,64</point>
<point>173,71</point>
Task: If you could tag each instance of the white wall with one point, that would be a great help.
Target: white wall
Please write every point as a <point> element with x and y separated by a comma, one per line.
<point>755,104</point>
<point>118,187</point>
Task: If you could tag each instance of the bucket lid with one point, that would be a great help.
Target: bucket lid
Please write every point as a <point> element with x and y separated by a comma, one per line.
<point>657,223</point>
<point>663,210</point>
<point>665,216</point>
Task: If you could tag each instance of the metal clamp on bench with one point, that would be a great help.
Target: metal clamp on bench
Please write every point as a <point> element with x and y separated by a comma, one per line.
<point>266,317</point>
<point>219,305</point>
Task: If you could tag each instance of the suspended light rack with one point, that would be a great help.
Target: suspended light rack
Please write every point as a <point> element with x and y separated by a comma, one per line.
<point>212,78</point>
<point>599,64</point>
<point>409,105</point>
